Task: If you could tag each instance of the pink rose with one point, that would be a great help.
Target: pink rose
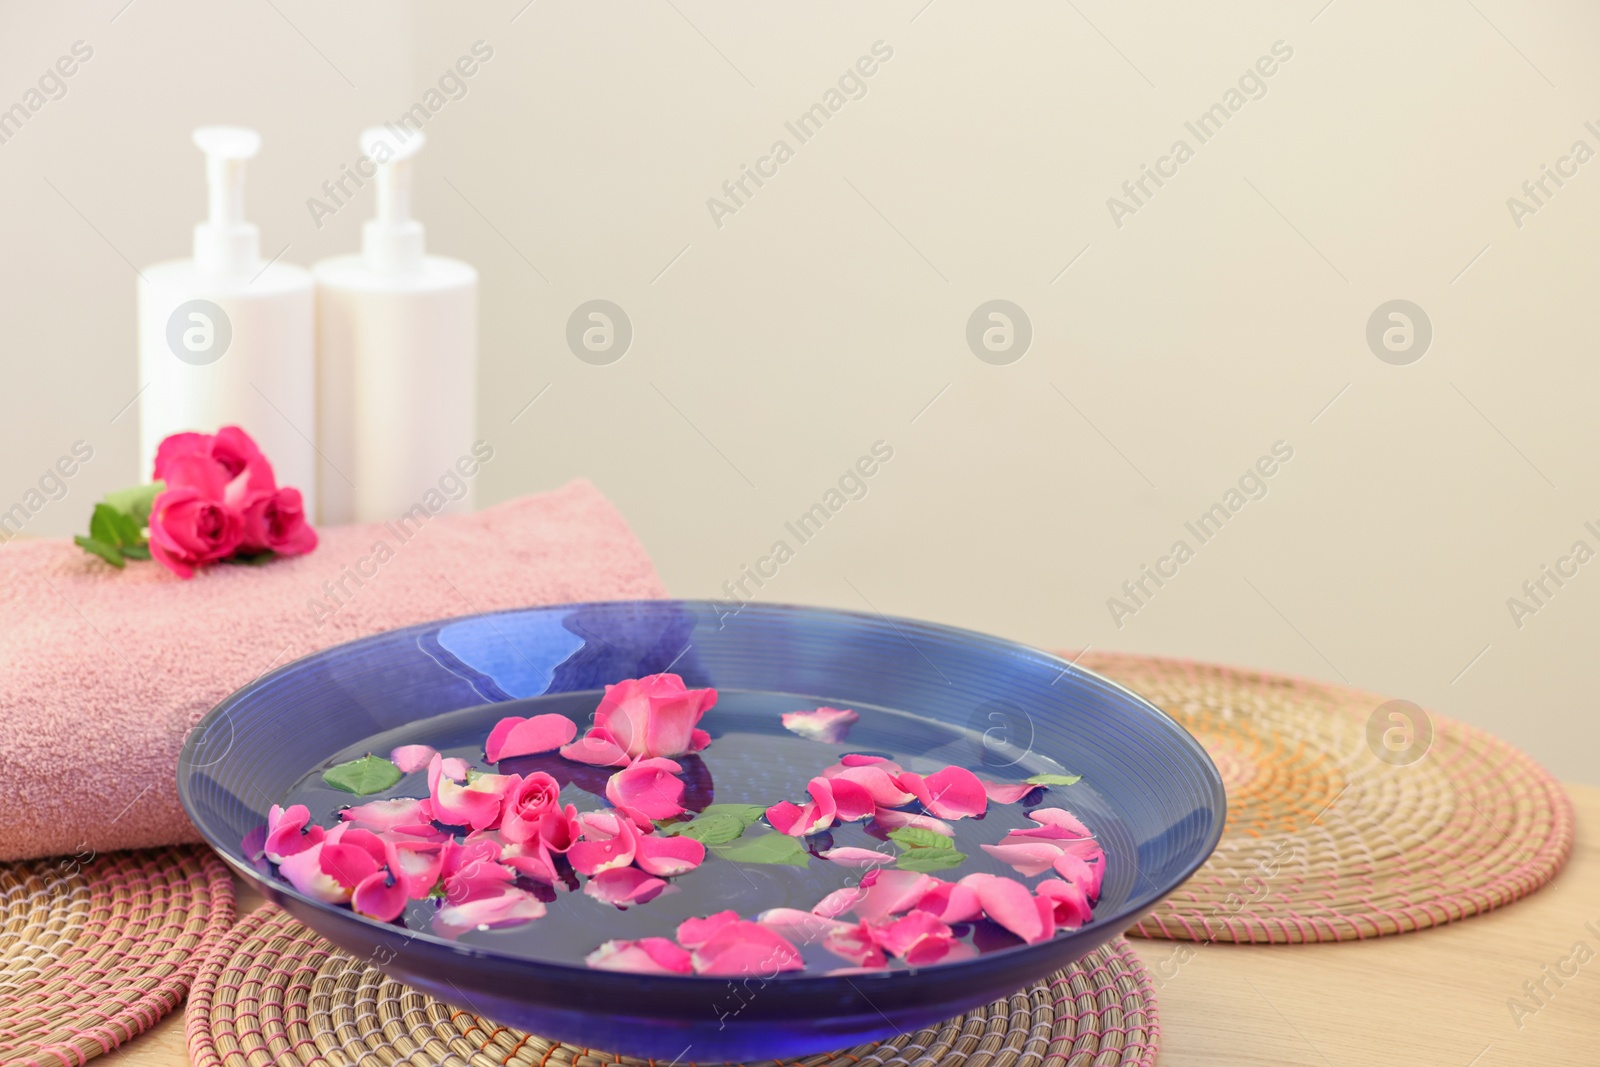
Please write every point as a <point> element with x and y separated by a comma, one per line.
<point>643,718</point>
<point>192,522</point>
<point>230,449</point>
<point>527,806</point>
<point>275,521</point>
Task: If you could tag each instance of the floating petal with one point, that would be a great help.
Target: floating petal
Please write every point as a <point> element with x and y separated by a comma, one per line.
<point>514,736</point>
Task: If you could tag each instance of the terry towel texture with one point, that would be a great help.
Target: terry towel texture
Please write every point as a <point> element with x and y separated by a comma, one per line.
<point>103,673</point>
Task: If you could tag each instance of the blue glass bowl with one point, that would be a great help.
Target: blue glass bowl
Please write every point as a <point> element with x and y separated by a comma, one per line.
<point>929,695</point>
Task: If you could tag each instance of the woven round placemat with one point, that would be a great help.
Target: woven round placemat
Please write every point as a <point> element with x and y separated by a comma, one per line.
<point>1349,815</point>
<point>275,993</point>
<point>96,949</point>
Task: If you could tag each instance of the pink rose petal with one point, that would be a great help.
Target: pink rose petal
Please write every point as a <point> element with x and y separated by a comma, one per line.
<point>917,938</point>
<point>879,784</point>
<point>610,842</point>
<point>1024,856</point>
<point>667,857</point>
<point>288,833</point>
<point>503,906</point>
<point>648,955</point>
<point>746,949</point>
<point>1070,905</point>
<point>305,873</point>
<point>472,869</point>
<point>800,927</point>
<point>792,819</point>
<point>379,897</point>
<point>416,865</point>
<point>513,736</point>
<point>349,865</point>
<point>893,892</point>
<point>1085,873</point>
<point>692,933</point>
<point>856,857</point>
<point>533,859</point>
<point>1058,817</point>
<point>876,775</point>
<point>802,820</point>
<point>382,815</point>
<point>951,902</point>
<point>839,901</point>
<point>857,759</point>
<point>857,944</point>
<point>828,725</point>
<point>650,786</point>
<point>458,805</point>
<point>1009,903</point>
<point>851,799</point>
<point>951,793</point>
<point>624,886</point>
<point>560,828</point>
<point>465,857</point>
<point>1007,792</point>
<point>598,749</point>
<point>412,757</point>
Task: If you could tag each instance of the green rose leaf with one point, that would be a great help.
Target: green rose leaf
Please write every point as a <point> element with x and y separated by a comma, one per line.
<point>112,527</point>
<point>926,860</point>
<point>1054,779</point>
<point>909,837</point>
<point>768,848</point>
<point>136,551</point>
<point>106,552</point>
<point>252,559</point>
<point>748,814</point>
<point>712,828</point>
<point>135,501</point>
<point>369,774</point>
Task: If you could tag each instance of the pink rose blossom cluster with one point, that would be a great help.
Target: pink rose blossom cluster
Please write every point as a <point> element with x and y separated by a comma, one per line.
<point>905,915</point>
<point>495,847</point>
<point>387,852</point>
<point>221,499</point>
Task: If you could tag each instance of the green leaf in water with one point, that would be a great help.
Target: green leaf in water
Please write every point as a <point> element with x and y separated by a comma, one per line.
<point>369,774</point>
<point>711,828</point>
<point>768,848</point>
<point>749,814</point>
<point>1054,779</point>
<point>909,837</point>
<point>930,859</point>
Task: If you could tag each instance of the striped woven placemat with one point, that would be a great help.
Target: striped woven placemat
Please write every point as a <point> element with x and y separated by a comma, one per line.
<point>274,993</point>
<point>96,949</point>
<point>1349,815</point>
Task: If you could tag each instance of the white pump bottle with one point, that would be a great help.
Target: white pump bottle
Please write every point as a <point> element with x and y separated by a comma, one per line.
<point>226,338</point>
<point>397,335</point>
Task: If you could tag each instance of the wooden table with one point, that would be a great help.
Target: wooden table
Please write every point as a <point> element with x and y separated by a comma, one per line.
<point>1437,997</point>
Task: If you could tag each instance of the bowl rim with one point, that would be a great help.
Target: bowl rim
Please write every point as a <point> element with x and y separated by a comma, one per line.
<point>799,982</point>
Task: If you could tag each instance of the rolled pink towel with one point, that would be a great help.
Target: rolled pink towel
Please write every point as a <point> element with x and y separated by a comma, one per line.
<point>103,673</point>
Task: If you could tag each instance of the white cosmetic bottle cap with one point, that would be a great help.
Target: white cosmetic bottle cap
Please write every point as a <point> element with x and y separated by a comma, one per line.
<point>225,243</point>
<point>392,241</point>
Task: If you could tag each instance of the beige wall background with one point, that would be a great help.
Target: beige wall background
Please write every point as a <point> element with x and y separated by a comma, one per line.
<point>1227,313</point>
